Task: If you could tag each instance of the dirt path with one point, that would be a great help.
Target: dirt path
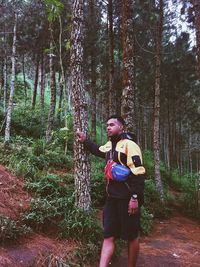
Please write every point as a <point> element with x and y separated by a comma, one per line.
<point>173,243</point>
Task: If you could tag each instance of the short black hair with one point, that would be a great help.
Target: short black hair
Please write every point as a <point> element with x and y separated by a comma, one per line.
<point>119,118</point>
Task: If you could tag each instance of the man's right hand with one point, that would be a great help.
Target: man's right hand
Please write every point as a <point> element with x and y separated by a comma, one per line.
<point>81,136</point>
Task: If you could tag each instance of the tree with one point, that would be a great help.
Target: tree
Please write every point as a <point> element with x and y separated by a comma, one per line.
<point>36,82</point>
<point>12,89</point>
<point>196,5</point>
<point>81,162</point>
<point>127,108</point>
<point>93,45</point>
<point>52,107</point>
<point>112,95</point>
<point>156,125</point>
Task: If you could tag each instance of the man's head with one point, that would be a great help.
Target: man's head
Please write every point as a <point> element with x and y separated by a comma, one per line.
<point>115,125</point>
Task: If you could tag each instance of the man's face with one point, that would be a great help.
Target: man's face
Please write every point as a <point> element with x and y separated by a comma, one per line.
<point>114,127</point>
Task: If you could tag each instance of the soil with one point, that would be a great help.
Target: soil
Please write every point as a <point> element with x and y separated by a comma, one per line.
<point>172,243</point>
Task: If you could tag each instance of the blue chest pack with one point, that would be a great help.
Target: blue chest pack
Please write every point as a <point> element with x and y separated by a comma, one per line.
<point>115,171</point>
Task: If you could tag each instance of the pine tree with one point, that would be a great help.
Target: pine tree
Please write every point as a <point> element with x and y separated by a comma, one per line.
<point>81,161</point>
<point>156,126</point>
<point>127,108</point>
<point>12,89</point>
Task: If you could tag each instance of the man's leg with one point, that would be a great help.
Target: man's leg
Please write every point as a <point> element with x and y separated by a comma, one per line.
<point>133,251</point>
<point>107,251</point>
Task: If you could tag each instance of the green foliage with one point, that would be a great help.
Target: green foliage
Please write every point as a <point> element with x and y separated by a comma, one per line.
<point>54,9</point>
<point>152,200</point>
<point>98,183</point>
<point>87,252</point>
<point>78,224</point>
<point>187,185</point>
<point>44,212</point>
<point>146,221</point>
<point>52,185</point>
<point>20,95</point>
<point>10,230</point>
<point>27,122</point>
<point>27,158</point>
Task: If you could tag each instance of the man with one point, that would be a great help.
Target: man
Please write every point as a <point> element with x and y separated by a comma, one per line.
<point>121,215</point>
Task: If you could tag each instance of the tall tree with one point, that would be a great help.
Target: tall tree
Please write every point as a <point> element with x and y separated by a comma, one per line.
<point>42,85</point>
<point>12,85</point>
<point>93,68</point>
<point>156,126</point>
<point>35,82</point>
<point>81,161</point>
<point>127,108</point>
<point>112,96</point>
<point>52,107</point>
<point>196,5</point>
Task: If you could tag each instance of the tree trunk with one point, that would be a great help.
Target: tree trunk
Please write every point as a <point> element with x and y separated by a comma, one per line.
<point>93,70</point>
<point>42,84</point>
<point>156,126</point>
<point>51,114</point>
<point>127,108</point>
<point>12,84</point>
<point>196,5</point>
<point>1,78</point>
<point>81,161</point>
<point>24,78</point>
<point>63,90</point>
<point>35,83</point>
<point>60,98</point>
<point>112,96</point>
<point>5,85</point>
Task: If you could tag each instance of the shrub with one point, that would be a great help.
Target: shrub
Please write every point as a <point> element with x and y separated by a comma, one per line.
<point>98,183</point>
<point>51,184</point>
<point>146,221</point>
<point>81,225</point>
<point>10,230</point>
<point>45,211</point>
<point>152,200</point>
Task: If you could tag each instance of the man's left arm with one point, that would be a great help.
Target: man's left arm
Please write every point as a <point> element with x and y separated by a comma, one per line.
<point>134,162</point>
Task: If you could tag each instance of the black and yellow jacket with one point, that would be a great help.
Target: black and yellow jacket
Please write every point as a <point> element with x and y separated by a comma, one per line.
<point>123,150</point>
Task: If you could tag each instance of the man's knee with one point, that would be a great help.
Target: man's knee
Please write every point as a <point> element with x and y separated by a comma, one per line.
<point>109,239</point>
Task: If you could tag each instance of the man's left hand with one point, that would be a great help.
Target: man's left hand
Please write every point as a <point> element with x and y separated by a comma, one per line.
<point>133,206</point>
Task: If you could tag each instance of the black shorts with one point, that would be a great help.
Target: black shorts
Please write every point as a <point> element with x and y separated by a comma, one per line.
<point>117,222</point>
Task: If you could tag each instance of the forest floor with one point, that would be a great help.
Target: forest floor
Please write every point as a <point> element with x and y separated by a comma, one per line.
<point>173,242</point>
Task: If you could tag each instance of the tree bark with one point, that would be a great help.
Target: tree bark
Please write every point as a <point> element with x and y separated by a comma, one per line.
<point>112,96</point>
<point>5,85</point>
<point>35,83</point>
<point>63,91</point>
<point>93,69</point>
<point>1,77</point>
<point>51,114</point>
<point>24,77</point>
<point>12,84</point>
<point>42,84</point>
<point>128,106</point>
<point>156,126</point>
<point>81,161</point>
<point>196,5</point>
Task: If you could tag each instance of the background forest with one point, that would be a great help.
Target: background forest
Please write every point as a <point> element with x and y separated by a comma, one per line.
<point>68,65</point>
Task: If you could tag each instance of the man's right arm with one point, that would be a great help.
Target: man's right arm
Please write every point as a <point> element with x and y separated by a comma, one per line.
<point>89,145</point>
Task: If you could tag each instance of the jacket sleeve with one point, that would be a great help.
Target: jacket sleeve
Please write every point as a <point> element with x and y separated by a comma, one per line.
<point>134,162</point>
<point>94,148</point>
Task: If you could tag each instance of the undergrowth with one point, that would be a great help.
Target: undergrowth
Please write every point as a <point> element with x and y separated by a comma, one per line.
<point>11,230</point>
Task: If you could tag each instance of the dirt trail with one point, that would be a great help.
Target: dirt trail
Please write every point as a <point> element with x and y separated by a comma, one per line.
<point>173,243</point>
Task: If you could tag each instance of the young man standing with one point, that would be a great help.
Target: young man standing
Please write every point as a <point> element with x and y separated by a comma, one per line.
<point>121,215</point>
